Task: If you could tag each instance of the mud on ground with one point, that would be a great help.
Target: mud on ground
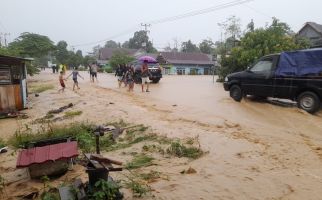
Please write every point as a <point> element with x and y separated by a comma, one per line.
<point>255,150</point>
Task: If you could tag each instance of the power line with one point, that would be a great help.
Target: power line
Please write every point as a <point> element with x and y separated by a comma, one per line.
<point>257,11</point>
<point>106,39</point>
<point>200,12</point>
<point>4,28</point>
<point>174,18</point>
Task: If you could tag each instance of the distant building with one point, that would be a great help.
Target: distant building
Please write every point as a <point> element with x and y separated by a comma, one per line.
<point>186,63</point>
<point>178,63</point>
<point>313,32</point>
<point>105,54</point>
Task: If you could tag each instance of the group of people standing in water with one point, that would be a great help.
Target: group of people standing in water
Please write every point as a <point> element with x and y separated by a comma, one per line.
<point>127,74</point>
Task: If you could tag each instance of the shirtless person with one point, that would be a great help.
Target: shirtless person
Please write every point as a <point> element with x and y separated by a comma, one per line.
<point>94,71</point>
<point>145,76</point>
<point>61,81</point>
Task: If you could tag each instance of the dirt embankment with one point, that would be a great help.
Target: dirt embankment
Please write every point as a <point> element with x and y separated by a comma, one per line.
<point>255,150</point>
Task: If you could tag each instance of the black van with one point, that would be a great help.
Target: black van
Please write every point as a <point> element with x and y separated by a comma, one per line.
<point>155,73</point>
<point>293,75</point>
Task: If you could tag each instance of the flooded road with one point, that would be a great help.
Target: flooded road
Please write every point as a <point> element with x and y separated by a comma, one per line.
<point>265,150</point>
<point>204,99</point>
<point>255,150</point>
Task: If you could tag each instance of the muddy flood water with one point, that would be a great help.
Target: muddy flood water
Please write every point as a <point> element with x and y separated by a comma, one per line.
<point>255,149</point>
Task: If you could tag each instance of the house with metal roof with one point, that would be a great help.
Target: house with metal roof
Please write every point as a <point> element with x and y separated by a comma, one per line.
<point>178,63</point>
<point>13,85</point>
<point>105,54</point>
<point>181,63</point>
<point>313,32</point>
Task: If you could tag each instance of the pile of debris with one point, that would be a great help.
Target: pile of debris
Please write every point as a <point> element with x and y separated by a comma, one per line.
<point>53,157</point>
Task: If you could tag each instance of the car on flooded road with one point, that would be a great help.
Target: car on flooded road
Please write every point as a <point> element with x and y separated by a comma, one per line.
<point>293,75</point>
<point>155,73</point>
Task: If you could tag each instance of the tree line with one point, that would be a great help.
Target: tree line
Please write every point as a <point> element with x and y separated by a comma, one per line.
<point>241,50</point>
<point>235,51</point>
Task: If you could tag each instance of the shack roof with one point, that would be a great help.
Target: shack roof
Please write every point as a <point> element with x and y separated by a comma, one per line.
<point>187,58</point>
<point>317,27</point>
<point>107,53</point>
<point>43,154</point>
<point>13,60</point>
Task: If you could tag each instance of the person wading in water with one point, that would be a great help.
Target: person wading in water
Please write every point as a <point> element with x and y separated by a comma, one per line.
<point>145,76</point>
<point>75,73</point>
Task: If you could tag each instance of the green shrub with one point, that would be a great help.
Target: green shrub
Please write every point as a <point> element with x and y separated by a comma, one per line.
<point>139,161</point>
<point>139,189</point>
<point>81,131</point>
<point>151,176</point>
<point>180,150</point>
<point>108,69</point>
<point>2,143</point>
<point>107,190</point>
<point>73,113</point>
<point>40,88</point>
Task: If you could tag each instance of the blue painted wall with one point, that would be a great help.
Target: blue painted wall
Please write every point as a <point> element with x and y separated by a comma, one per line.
<point>188,69</point>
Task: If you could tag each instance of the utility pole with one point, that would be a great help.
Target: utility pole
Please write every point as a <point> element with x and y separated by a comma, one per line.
<point>5,38</point>
<point>175,43</point>
<point>146,31</point>
<point>1,39</point>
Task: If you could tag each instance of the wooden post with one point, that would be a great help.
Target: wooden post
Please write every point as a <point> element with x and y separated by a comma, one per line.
<point>97,137</point>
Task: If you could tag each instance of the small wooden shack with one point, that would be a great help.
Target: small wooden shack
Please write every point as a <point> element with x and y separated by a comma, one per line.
<point>13,86</point>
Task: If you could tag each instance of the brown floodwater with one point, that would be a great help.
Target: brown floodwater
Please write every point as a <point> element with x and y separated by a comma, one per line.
<point>203,98</point>
<point>254,149</point>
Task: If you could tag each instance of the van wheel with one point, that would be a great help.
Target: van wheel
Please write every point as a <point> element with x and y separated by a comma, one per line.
<point>236,93</point>
<point>309,102</point>
<point>156,80</point>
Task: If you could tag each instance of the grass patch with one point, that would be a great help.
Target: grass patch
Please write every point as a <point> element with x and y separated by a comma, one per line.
<point>108,190</point>
<point>2,186</point>
<point>40,88</point>
<point>164,140</point>
<point>45,119</point>
<point>2,143</point>
<point>153,148</point>
<point>131,137</point>
<point>137,187</point>
<point>139,139</point>
<point>150,177</point>
<point>73,113</point>
<point>116,146</point>
<point>82,132</point>
<point>180,150</point>
<point>139,161</point>
<point>120,123</point>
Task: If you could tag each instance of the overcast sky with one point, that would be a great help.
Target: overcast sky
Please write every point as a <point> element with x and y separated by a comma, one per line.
<point>87,21</point>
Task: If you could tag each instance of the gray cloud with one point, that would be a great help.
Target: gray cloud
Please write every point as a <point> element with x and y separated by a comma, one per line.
<point>85,21</point>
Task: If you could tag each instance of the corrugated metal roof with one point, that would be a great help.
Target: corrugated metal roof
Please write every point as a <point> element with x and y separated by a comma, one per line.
<point>15,58</point>
<point>107,53</point>
<point>53,152</point>
<point>317,27</point>
<point>187,58</point>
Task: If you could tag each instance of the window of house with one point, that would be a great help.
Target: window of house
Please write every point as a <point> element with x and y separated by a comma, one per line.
<point>181,71</point>
<point>5,74</point>
<point>16,73</point>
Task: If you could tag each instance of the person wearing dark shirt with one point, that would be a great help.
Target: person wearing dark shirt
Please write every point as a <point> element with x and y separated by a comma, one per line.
<point>130,78</point>
<point>75,74</point>
<point>119,73</point>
